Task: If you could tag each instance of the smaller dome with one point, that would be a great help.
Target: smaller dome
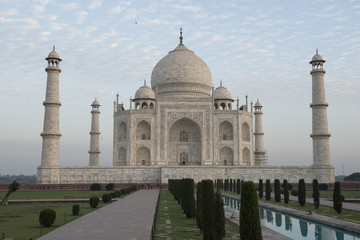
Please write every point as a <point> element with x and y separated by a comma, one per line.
<point>53,55</point>
<point>258,104</point>
<point>222,93</point>
<point>317,58</point>
<point>144,92</point>
<point>95,103</point>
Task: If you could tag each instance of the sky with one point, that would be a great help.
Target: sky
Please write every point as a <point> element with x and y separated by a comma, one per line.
<point>258,48</point>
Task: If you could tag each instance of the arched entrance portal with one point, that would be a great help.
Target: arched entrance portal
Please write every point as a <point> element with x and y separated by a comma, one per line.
<point>184,143</point>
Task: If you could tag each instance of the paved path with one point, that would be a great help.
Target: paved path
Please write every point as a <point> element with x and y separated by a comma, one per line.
<point>129,218</point>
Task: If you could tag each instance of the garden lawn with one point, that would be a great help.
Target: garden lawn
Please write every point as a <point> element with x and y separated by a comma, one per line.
<point>172,222</point>
<point>345,214</point>
<point>21,221</point>
<point>329,194</point>
<point>46,194</point>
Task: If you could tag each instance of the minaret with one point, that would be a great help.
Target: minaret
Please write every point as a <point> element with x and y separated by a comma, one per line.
<point>259,153</point>
<point>51,134</point>
<point>94,135</point>
<point>320,134</point>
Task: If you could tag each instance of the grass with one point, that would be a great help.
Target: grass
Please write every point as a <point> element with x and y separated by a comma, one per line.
<point>45,194</point>
<point>346,215</point>
<point>329,194</point>
<point>172,222</point>
<point>21,221</point>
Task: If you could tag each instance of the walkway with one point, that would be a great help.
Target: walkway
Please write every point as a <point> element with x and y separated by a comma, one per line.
<point>128,218</point>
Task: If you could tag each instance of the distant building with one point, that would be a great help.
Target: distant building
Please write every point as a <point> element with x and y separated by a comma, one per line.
<point>181,127</point>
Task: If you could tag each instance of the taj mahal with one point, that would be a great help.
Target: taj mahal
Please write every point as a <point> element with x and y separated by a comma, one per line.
<point>180,126</point>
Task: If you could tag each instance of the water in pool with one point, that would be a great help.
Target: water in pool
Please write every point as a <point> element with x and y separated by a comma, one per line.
<point>289,226</point>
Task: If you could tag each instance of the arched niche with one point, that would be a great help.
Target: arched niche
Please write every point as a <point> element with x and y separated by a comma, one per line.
<point>122,157</point>
<point>226,156</point>
<point>143,156</point>
<point>245,132</point>
<point>143,130</point>
<point>225,131</point>
<point>246,156</point>
<point>122,132</point>
<point>184,136</point>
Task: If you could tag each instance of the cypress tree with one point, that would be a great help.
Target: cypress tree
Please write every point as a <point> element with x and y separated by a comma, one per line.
<point>238,186</point>
<point>277,190</point>
<point>267,190</point>
<point>249,213</point>
<point>261,188</point>
<point>231,185</point>
<point>207,201</point>
<point>189,200</point>
<point>316,193</point>
<point>337,197</point>
<point>219,224</point>
<point>301,193</point>
<point>199,207</point>
<point>286,191</point>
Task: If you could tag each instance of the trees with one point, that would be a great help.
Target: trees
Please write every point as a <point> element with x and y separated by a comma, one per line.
<point>337,198</point>
<point>301,192</point>
<point>277,190</point>
<point>267,190</point>
<point>12,188</point>
<point>219,215</point>
<point>207,202</point>
<point>286,191</point>
<point>249,213</point>
<point>188,197</point>
<point>199,206</point>
<point>316,193</point>
<point>238,186</point>
<point>353,177</point>
<point>261,189</point>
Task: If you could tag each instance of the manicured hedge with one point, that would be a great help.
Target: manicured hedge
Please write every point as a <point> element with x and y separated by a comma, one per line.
<point>47,217</point>
<point>95,187</point>
<point>75,209</point>
<point>94,202</point>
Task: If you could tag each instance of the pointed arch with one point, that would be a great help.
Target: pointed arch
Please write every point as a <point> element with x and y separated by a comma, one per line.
<point>143,130</point>
<point>246,156</point>
<point>226,156</point>
<point>122,157</point>
<point>122,133</point>
<point>143,156</point>
<point>245,131</point>
<point>184,137</point>
<point>225,131</point>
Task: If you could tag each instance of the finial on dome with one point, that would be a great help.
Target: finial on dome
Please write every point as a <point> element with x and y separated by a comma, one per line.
<point>220,82</point>
<point>144,81</point>
<point>317,51</point>
<point>181,37</point>
<point>53,47</point>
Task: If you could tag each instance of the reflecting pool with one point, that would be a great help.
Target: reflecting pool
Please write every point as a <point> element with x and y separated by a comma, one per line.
<point>290,226</point>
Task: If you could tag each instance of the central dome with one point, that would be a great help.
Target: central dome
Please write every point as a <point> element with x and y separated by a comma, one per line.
<point>181,74</point>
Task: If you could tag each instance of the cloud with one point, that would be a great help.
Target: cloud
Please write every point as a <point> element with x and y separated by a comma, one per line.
<point>95,4</point>
<point>117,9</point>
<point>69,6</point>
<point>81,15</point>
<point>188,8</point>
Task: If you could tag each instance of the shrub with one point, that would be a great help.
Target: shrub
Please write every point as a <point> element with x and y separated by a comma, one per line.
<point>123,191</point>
<point>302,193</point>
<point>207,202</point>
<point>277,190</point>
<point>323,187</point>
<point>337,198</point>
<point>238,186</point>
<point>47,217</point>
<point>342,198</point>
<point>94,202</point>
<point>286,191</point>
<point>106,198</point>
<point>219,224</point>
<point>249,213</point>
<point>95,187</point>
<point>117,193</point>
<point>261,189</point>
<point>290,187</point>
<point>294,192</point>
<point>109,186</point>
<point>316,193</point>
<point>267,190</point>
<point>75,209</point>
